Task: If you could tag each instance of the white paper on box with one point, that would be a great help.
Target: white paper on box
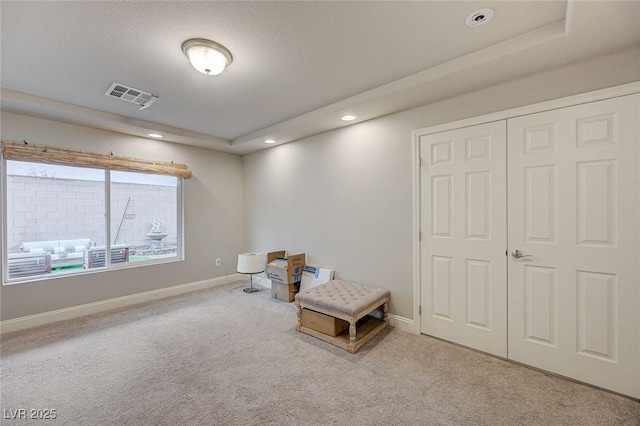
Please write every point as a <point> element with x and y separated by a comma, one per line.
<point>313,276</point>
<point>277,270</point>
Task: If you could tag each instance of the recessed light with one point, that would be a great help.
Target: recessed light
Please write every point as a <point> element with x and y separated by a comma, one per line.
<point>348,117</point>
<point>269,141</point>
<point>479,17</point>
<point>154,135</point>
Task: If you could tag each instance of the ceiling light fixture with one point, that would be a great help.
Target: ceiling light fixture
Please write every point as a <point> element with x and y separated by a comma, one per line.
<point>479,17</point>
<point>207,56</point>
<point>348,117</point>
<point>154,135</point>
<point>269,141</point>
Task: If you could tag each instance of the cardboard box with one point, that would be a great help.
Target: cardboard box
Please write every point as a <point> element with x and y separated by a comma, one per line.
<point>325,324</point>
<point>285,269</point>
<point>284,292</point>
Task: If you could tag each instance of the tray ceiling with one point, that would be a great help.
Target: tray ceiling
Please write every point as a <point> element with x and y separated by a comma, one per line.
<point>297,67</point>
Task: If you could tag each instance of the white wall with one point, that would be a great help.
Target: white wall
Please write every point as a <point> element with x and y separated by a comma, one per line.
<point>213,219</point>
<point>345,197</point>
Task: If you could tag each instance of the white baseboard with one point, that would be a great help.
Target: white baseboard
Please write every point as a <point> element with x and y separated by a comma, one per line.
<point>403,324</point>
<point>29,321</point>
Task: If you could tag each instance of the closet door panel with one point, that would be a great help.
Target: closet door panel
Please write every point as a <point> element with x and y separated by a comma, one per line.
<point>573,202</point>
<point>463,226</point>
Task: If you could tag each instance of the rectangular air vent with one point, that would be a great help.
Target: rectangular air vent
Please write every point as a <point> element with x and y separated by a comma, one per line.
<point>132,95</point>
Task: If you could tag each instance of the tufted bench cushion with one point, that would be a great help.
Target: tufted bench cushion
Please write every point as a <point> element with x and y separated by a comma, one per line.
<point>347,301</point>
<point>342,296</point>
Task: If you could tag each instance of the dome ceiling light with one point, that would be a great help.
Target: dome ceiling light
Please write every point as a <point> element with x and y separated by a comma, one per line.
<point>207,56</point>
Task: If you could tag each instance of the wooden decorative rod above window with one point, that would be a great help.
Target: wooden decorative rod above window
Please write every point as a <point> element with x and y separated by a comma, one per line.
<point>22,151</point>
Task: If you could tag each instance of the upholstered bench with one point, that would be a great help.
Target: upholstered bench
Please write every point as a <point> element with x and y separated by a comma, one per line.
<point>350,302</point>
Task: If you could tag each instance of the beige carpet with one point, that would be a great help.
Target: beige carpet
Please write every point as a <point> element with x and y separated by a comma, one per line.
<point>221,356</point>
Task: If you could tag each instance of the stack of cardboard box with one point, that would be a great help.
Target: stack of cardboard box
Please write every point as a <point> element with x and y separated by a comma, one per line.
<point>285,273</point>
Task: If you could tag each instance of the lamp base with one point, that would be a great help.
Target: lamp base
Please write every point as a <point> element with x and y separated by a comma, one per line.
<point>251,289</point>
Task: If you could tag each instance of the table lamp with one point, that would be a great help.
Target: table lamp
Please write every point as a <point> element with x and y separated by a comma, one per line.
<point>250,263</point>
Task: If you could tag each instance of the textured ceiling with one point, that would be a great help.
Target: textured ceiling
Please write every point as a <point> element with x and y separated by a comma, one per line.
<point>297,65</point>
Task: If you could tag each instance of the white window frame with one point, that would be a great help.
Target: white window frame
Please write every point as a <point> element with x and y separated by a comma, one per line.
<point>180,256</point>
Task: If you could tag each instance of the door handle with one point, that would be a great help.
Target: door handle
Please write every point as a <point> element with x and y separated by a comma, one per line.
<point>517,254</point>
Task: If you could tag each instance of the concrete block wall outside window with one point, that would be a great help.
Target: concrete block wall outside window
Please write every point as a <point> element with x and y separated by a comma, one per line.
<point>59,203</point>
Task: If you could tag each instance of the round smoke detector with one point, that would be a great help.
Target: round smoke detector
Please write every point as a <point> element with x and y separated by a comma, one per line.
<point>479,17</point>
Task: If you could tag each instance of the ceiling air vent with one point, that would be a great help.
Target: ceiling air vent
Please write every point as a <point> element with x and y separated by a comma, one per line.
<point>132,95</point>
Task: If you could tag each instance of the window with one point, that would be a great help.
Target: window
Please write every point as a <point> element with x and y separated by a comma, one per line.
<point>57,219</point>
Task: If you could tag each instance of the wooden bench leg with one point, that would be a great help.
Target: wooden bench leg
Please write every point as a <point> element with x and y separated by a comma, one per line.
<point>385,309</point>
<point>299,315</point>
<point>352,336</point>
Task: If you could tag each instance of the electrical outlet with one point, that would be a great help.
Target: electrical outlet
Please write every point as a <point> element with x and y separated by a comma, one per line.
<point>218,262</point>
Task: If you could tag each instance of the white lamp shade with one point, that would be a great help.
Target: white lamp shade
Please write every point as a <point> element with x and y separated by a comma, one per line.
<point>207,56</point>
<point>250,263</point>
<point>207,60</point>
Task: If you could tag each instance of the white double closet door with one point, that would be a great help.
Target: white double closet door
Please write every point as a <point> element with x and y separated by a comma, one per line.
<point>561,187</point>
